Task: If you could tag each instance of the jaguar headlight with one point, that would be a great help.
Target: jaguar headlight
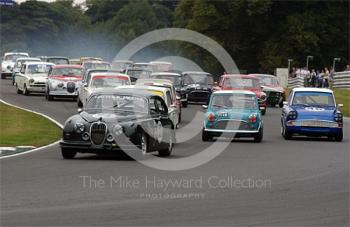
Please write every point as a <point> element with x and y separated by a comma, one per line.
<point>31,81</point>
<point>79,127</point>
<point>118,130</point>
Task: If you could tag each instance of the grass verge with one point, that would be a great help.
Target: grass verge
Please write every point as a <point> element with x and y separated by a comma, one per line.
<point>343,96</point>
<point>19,127</point>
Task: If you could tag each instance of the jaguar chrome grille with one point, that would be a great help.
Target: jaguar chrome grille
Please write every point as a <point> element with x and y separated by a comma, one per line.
<point>71,87</point>
<point>98,132</point>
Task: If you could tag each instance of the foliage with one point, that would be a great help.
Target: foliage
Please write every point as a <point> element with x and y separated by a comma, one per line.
<point>260,35</point>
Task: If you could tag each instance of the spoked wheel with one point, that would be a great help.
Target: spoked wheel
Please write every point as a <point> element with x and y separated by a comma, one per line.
<point>144,143</point>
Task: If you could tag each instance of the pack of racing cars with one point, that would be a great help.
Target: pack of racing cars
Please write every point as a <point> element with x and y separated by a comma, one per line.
<point>138,106</point>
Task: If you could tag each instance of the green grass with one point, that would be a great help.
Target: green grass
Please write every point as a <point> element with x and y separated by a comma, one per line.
<point>343,96</point>
<point>19,127</point>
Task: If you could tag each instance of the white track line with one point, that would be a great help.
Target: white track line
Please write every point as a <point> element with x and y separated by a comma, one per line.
<point>41,114</point>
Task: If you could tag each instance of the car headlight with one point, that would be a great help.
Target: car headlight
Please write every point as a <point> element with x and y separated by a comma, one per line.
<point>9,67</point>
<point>118,130</point>
<point>263,98</point>
<point>31,81</point>
<point>338,117</point>
<point>79,127</point>
<point>292,115</point>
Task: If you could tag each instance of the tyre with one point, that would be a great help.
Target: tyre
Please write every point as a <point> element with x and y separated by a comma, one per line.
<point>184,104</point>
<point>285,133</point>
<point>17,89</point>
<point>339,137</point>
<point>3,76</point>
<point>25,90</point>
<point>263,112</point>
<point>79,103</point>
<point>259,136</point>
<point>48,96</point>
<point>170,145</point>
<point>280,104</point>
<point>68,153</point>
<point>144,143</point>
<point>206,136</point>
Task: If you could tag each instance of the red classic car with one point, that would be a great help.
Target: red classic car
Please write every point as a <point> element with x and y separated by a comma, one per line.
<point>243,82</point>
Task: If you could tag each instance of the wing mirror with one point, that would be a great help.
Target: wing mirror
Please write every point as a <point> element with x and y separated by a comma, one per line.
<point>80,110</point>
<point>340,105</point>
<point>205,107</point>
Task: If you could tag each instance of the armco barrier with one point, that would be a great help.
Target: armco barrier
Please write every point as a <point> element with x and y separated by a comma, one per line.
<point>341,80</point>
<point>297,81</point>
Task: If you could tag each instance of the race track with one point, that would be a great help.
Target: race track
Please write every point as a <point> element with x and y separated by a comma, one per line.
<point>309,182</point>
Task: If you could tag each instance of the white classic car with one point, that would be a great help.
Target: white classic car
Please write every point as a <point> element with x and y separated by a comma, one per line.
<point>99,81</point>
<point>32,77</point>
<point>175,100</point>
<point>18,64</point>
<point>163,92</point>
<point>64,81</point>
<point>8,62</point>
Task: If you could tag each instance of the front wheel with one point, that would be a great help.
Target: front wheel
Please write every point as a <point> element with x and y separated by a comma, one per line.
<point>170,144</point>
<point>25,90</point>
<point>339,137</point>
<point>48,96</point>
<point>17,89</point>
<point>263,112</point>
<point>3,76</point>
<point>68,153</point>
<point>184,104</point>
<point>80,104</point>
<point>259,136</point>
<point>285,133</point>
<point>144,143</point>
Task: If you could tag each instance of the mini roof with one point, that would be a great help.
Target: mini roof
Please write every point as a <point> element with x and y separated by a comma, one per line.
<point>165,73</point>
<point>313,89</point>
<point>195,72</point>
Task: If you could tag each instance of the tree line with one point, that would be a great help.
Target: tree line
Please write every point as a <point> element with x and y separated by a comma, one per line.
<point>260,35</point>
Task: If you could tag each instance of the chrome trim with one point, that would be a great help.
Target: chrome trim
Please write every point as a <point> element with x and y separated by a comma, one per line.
<point>99,122</point>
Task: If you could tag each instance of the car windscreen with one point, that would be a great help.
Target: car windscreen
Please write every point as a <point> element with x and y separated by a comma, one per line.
<point>268,80</point>
<point>97,65</point>
<point>124,103</point>
<point>109,81</point>
<point>58,61</point>
<point>20,62</point>
<point>241,83</point>
<point>307,98</point>
<point>38,69</point>
<point>69,71</point>
<point>173,78</point>
<point>121,65</point>
<point>139,74</point>
<point>202,79</point>
<point>234,101</point>
<point>13,57</point>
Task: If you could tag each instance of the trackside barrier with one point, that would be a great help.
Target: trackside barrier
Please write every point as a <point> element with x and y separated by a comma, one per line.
<point>341,80</point>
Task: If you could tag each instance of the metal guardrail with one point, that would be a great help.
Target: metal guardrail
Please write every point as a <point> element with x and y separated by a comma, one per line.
<point>297,81</point>
<point>341,80</point>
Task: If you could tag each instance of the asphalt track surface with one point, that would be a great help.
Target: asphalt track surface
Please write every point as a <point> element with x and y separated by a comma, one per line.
<point>306,182</point>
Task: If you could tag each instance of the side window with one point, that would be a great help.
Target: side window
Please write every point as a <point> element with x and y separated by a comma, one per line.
<point>157,106</point>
